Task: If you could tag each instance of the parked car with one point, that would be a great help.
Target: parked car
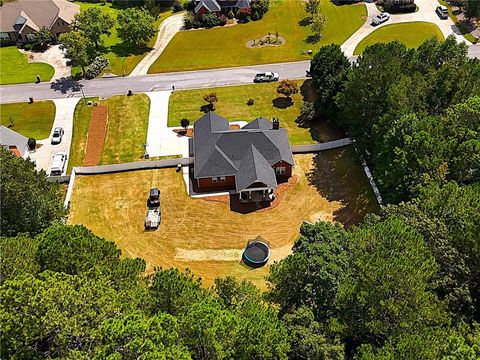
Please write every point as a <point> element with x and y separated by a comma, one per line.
<point>57,135</point>
<point>266,77</point>
<point>380,18</point>
<point>154,198</point>
<point>442,12</point>
<point>58,163</point>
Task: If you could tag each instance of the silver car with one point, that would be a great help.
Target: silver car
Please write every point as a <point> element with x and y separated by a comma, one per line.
<point>380,18</point>
<point>57,135</point>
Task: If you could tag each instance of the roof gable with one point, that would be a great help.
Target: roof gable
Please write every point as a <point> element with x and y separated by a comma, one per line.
<point>254,168</point>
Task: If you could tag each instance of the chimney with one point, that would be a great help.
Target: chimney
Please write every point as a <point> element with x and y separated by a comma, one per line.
<point>276,124</point>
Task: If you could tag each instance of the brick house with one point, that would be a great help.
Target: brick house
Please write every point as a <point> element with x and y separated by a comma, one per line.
<point>21,19</point>
<point>220,7</point>
<point>250,161</point>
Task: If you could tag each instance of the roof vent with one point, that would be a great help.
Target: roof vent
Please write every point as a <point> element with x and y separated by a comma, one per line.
<point>276,124</point>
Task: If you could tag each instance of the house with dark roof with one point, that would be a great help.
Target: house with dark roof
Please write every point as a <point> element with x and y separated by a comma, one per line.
<point>20,20</point>
<point>251,161</point>
<point>220,7</point>
<point>14,142</point>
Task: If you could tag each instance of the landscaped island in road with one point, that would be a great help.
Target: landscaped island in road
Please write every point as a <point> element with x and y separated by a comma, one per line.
<point>412,34</point>
<point>225,47</point>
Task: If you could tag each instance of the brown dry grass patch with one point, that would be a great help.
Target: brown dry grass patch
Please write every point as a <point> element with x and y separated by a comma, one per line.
<point>199,234</point>
<point>96,135</point>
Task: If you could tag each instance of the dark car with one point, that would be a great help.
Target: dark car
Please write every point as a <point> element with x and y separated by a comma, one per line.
<point>154,198</point>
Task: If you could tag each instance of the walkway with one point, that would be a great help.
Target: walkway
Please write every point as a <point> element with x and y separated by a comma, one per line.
<point>426,13</point>
<point>166,31</point>
<point>52,56</point>
<point>161,140</point>
<point>64,119</point>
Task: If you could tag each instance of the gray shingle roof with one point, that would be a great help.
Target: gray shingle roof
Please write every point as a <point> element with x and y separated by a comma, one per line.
<point>220,151</point>
<point>210,5</point>
<point>254,168</point>
<point>8,138</point>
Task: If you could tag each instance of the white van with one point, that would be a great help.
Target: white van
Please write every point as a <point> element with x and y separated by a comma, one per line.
<point>58,163</point>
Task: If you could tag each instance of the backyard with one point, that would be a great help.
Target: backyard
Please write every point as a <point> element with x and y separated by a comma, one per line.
<point>31,120</point>
<point>224,47</point>
<point>15,69</point>
<point>126,129</point>
<point>232,105</point>
<point>122,59</point>
<point>412,34</point>
<point>206,236</point>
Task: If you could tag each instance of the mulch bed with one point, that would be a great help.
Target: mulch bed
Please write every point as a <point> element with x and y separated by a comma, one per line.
<point>189,132</point>
<point>97,130</point>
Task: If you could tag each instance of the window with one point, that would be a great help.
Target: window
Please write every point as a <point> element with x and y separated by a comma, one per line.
<point>30,37</point>
<point>280,170</point>
<point>222,179</point>
<point>4,36</point>
<point>214,180</point>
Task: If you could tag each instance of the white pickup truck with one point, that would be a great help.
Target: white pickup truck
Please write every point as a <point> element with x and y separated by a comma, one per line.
<point>58,163</point>
<point>266,77</point>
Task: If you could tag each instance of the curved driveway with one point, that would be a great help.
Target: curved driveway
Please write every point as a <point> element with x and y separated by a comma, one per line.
<point>426,13</point>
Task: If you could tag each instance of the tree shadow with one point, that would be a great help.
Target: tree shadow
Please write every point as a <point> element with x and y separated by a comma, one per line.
<point>305,21</point>
<point>282,102</point>
<point>206,108</point>
<point>65,85</point>
<point>312,39</point>
<point>338,176</point>
<point>124,49</point>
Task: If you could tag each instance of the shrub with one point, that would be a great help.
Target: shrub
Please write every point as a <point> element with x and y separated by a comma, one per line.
<point>402,8</point>
<point>210,20</point>
<point>255,16</point>
<point>307,113</point>
<point>243,17</point>
<point>100,63</point>
<point>184,123</point>
<point>177,6</point>
<point>32,143</point>
<point>188,20</point>
<point>260,7</point>
<point>28,46</point>
<point>231,15</point>
<point>250,102</point>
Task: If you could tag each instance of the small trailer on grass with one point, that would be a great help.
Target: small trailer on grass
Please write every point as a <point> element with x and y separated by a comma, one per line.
<point>153,217</point>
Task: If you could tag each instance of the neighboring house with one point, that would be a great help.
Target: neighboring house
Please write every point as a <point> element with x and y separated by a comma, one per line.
<point>14,142</point>
<point>21,19</point>
<point>250,160</point>
<point>220,7</point>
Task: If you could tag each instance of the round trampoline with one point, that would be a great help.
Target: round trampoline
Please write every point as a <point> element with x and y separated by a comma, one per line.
<point>256,253</point>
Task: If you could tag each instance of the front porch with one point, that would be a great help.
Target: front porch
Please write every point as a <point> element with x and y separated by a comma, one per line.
<point>256,195</point>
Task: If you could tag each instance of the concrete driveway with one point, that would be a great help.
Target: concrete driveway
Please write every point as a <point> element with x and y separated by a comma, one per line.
<point>426,13</point>
<point>63,118</point>
<point>166,31</point>
<point>52,56</point>
<point>161,139</point>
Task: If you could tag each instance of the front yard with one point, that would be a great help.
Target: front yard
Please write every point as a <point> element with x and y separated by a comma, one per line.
<point>122,59</point>
<point>412,34</point>
<point>31,120</point>
<point>224,47</point>
<point>15,69</point>
<point>232,105</point>
<point>208,237</point>
<point>126,129</point>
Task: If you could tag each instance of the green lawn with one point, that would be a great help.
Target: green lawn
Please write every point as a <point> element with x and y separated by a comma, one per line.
<point>31,120</point>
<point>120,56</point>
<point>225,46</point>
<point>126,129</point>
<point>15,69</point>
<point>232,105</point>
<point>81,121</point>
<point>412,34</point>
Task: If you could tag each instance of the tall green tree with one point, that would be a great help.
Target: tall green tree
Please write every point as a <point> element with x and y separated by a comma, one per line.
<point>43,38</point>
<point>135,26</point>
<point>18,257</point>
<point>329,68</point>
<point>312,7</point>
<point>317,25</point>
<point>29,203</point>
<point>387,290</point>
<point>75,45</point>
<point>471,8</point>
<point>94,23</point>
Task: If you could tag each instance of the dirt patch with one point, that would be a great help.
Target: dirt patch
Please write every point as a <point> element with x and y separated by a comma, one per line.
<point>189,132</point>
<point>97,131</point>
<point>267,40</point>
<point>208,255</point>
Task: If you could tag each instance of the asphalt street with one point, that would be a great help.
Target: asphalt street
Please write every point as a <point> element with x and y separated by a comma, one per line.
<point>106,87</point>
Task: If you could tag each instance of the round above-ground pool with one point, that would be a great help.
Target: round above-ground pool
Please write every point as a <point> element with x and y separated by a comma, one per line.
<point>256,253</point>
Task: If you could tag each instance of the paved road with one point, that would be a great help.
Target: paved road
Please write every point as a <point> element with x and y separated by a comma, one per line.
<point>107,87</point>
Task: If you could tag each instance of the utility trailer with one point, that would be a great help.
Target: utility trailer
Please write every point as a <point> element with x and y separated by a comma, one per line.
<point>153,217</point>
